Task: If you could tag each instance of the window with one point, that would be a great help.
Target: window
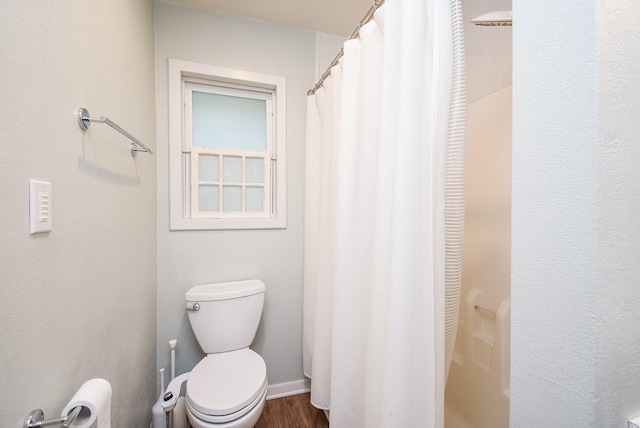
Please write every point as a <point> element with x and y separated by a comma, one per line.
<point>227,153</point>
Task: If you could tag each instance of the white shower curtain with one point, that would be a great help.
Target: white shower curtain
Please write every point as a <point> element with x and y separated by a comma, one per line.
<point>374,298</point>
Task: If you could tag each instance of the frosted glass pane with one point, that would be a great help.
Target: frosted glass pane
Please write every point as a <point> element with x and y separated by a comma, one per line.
<point>209,168</point>
<point>229,122</point>
<point>232,167</point>
<point>209,198</point>
<point>255,170</point>
<point>232,196</point>
<point>254,198</point>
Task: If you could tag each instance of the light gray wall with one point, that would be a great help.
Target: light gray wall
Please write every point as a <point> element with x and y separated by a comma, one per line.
<point>80,301</point>
<point>576,195</point>
<point>188,258</point>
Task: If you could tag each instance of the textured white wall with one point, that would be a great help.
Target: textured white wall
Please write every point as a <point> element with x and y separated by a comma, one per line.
<point>188,258</point>
<point>575,225</point>
<point>554,229</point>
<point>78,302</point>
<point>618,295</point>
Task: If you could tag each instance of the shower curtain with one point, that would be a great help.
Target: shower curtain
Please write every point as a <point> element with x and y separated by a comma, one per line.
<point>375,211</point>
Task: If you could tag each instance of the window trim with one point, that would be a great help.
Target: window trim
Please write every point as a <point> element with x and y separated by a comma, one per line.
<point>180,188</point>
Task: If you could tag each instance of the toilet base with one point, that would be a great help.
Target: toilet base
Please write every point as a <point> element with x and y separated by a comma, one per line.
<point>246,421</point>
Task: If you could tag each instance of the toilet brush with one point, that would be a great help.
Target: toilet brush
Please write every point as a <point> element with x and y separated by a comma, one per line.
<point>157,413</point>
<point>179,419</point>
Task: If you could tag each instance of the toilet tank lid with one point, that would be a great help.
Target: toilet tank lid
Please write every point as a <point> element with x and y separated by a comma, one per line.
<point>225,290</point>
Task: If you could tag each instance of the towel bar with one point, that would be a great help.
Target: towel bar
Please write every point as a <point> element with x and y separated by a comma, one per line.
<point>84,120</point>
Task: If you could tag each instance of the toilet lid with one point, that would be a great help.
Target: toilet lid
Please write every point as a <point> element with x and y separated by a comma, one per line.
<point>224,383</point>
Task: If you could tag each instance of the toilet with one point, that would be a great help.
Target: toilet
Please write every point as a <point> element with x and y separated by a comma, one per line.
<point>228,388</point>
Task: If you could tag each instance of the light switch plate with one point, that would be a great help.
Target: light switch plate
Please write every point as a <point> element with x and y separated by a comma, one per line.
<point>39,207</point>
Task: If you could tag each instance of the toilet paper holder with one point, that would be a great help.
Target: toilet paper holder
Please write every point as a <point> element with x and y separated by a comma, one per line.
<point>35,419</point>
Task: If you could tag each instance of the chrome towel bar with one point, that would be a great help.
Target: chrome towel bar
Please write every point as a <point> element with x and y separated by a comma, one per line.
<point>84,120</point>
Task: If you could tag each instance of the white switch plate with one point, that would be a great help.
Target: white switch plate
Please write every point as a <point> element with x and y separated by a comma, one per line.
<point>39,207</point>
<point>634,423</point>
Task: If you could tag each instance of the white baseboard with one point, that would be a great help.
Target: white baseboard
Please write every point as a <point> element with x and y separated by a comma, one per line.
<point>288,388</point>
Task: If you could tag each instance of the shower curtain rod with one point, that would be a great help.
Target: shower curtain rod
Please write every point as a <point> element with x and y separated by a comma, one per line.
<point>354,34</point>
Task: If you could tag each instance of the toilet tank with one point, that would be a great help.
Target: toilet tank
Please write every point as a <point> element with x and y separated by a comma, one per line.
<point>228,316</point>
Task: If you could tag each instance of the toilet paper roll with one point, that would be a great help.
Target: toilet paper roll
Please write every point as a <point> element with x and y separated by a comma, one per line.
<point>95,398</point>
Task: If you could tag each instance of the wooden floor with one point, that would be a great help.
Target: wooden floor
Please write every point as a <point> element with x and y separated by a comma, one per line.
<point>295,411</point>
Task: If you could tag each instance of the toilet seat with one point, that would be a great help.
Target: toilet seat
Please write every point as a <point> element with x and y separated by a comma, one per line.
<point>224,387</point>
<point>221,421</point>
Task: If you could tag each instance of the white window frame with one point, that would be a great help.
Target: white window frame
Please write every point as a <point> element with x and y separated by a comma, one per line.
<point>267,155</point>
<point>182,176</point>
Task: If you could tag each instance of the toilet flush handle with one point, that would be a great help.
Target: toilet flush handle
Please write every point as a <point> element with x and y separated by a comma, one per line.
<point>194,308</point>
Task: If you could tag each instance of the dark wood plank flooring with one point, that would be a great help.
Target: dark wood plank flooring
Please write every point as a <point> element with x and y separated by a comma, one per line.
<point>295,411</point>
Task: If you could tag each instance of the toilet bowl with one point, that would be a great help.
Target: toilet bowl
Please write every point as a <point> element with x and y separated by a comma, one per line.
<point>228,388</point>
